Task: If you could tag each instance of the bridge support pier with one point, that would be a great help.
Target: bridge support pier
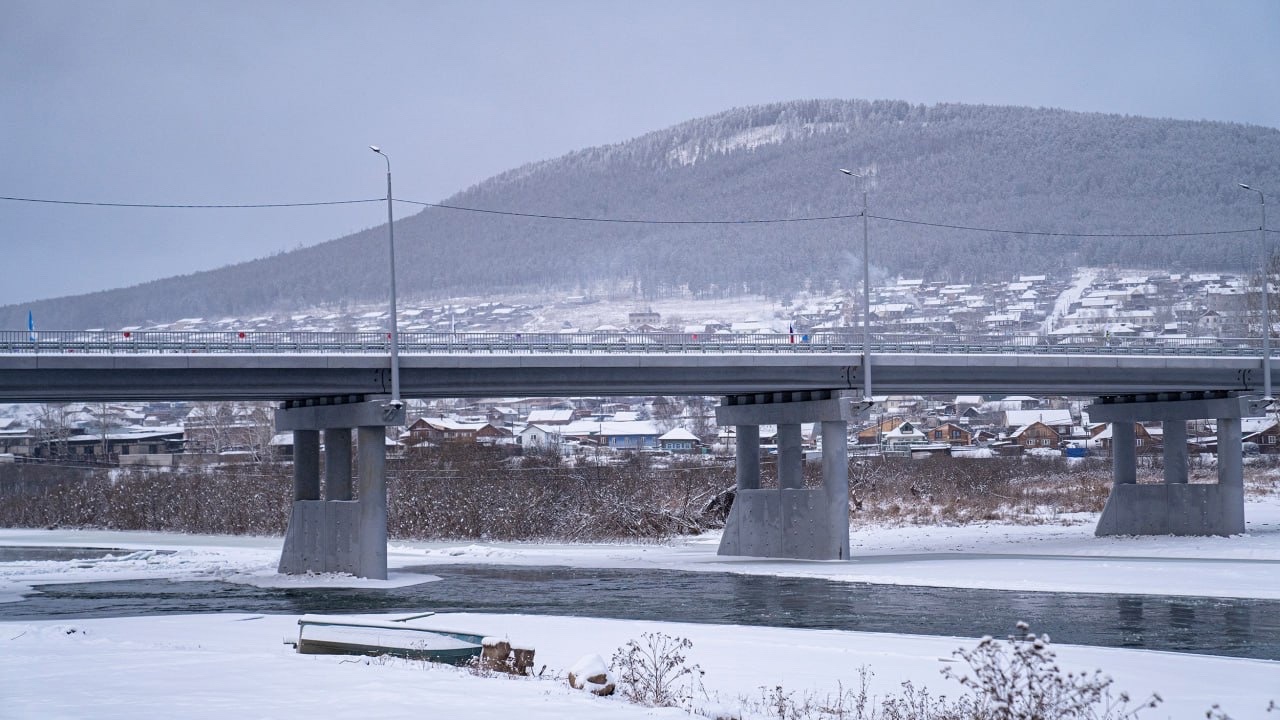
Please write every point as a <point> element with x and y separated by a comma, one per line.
<point>338,534</point>
<point>1174,507</point>
<point>791,521</point>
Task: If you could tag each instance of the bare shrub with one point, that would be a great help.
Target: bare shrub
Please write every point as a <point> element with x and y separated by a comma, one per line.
<point>231,500</point>
<point>1014,680</point>
<point>483,493</point>
<point>954,491</point>
<point>1021,680</point>
<point>653,670</point>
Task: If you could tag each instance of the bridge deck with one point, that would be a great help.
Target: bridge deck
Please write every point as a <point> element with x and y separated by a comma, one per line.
<point>71,376</point>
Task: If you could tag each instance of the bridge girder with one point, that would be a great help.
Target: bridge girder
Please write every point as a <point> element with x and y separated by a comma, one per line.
<point>67,378</point>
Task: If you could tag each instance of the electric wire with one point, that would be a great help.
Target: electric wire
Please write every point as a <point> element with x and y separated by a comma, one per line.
<point>639,221</point>
<point>820,218</point>
<point>1045,233</point>
<point>631,221</point>
<point>189,206</point>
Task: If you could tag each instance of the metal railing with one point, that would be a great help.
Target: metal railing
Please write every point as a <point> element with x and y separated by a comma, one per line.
<point>13,342</point>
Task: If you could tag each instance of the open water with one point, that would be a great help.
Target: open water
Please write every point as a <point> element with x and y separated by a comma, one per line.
<point>1215,626</point>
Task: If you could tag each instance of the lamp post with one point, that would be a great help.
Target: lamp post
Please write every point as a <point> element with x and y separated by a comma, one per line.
<point>395,334</point>
<point>866,295</point>
<point>1266,297</point>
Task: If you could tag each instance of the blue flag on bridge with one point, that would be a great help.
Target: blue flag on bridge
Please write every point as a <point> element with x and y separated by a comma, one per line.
<point>31,326</point>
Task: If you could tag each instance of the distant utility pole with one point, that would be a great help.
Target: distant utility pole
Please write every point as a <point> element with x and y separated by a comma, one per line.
<point>866,294</point>
<point>395,335</point>
<point>1266,297</point>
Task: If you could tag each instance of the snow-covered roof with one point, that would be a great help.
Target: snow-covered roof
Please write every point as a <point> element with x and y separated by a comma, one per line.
<point>1014,418</point>
<point>610,428</point>
<point>678,434</point>
<point>552,415</point>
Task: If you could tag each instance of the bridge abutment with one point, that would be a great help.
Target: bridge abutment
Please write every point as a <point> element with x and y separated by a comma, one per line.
<point>338,534</point>
<point>790,521</point>
<point>1174,507</point>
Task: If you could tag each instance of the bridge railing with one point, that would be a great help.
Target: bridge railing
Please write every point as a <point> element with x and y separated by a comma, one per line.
<point>537,343</point>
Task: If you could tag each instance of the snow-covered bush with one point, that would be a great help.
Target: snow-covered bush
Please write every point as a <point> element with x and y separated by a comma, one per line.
<point>654,671</point>
<point>1021,680</point>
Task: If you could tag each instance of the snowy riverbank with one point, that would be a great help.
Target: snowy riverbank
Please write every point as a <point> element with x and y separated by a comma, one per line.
<point>216,666</point>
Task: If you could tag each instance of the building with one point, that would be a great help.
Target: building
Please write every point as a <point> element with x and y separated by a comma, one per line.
<point>1059,420</point>
<point>1145,439</point>
<point>552,416</point>
<point>903,436</point>
<point>1267,439</point>
<point>951,434</point>
<point>624,435</point>
<point>437,431</point>
<point>873,434</point>
<point>679,440</point>
<point>1036,435</point>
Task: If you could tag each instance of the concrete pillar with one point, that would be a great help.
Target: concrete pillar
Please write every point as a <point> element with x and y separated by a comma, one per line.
<point>835,481</point>
<point>372,466</point>
<point>1124,451</point>
<point>1230,478</point>
<point>1175,452</point>
<point>748,455</point>
<point>1230,453</point>
<point>790,457</point>
<point>306,464</point>
<point>337,463</point>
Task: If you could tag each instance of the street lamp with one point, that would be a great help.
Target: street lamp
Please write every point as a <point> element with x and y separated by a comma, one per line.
<point>866,295</point>
<point>1266,298</point>
<point>395,334</point>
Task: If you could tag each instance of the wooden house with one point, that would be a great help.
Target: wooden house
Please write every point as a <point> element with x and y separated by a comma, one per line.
<point>951,434</point>
<point>873,434</point>
<point>679,440</point>
<point>1145,439</point>
<point>1036,435</point>
<point>1268,438</point>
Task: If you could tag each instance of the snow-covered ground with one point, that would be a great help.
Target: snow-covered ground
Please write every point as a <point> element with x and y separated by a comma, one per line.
<point>217,666</point>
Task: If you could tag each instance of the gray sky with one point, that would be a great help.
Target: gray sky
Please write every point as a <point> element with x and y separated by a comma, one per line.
<point>259,101</point>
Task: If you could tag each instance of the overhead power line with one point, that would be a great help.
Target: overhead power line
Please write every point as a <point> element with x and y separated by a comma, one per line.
<point>822,218</point>
<point>1061,234</point>
<point>640,221</point>
<point>190,206</point>
<point>632,221</point>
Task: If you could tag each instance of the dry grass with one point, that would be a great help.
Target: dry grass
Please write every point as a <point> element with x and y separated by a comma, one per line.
<point>474,493</point>
<point>940,490</point>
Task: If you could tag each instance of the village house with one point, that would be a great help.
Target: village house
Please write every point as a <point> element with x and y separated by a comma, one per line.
<point>872,435</point>
<point>1060,419</point>
<point>450,430</point>
<point>539,436</point>
<point>108,446</point>
<point>679,440</point>
<point>1146,440</point>
<point>633,435</point>
<point>1267,439</point>
<point>1036,435</point>
<point>951,434</point>
<point>550,416</point>
<point>903,437</point>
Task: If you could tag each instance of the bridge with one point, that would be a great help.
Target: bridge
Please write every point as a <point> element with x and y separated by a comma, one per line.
<point>340,382</point>
<point>146,366</point>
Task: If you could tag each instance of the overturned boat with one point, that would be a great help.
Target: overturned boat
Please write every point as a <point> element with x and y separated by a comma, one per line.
<point>397,637</point>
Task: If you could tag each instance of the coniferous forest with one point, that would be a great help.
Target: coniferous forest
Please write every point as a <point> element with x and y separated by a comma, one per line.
<point>991,168</point>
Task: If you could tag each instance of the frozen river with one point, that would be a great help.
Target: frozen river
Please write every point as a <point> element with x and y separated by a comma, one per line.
<point>1247,628</point>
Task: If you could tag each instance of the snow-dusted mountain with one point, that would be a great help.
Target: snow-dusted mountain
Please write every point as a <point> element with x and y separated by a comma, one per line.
<point>1030,170</point>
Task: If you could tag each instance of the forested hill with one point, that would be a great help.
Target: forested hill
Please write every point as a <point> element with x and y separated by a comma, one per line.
<point>1037,170</point>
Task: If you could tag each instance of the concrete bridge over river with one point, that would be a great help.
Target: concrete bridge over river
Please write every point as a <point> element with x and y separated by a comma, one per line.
<point>339,383</point>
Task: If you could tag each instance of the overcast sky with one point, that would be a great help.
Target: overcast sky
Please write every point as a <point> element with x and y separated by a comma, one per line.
<point>196,101</point>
